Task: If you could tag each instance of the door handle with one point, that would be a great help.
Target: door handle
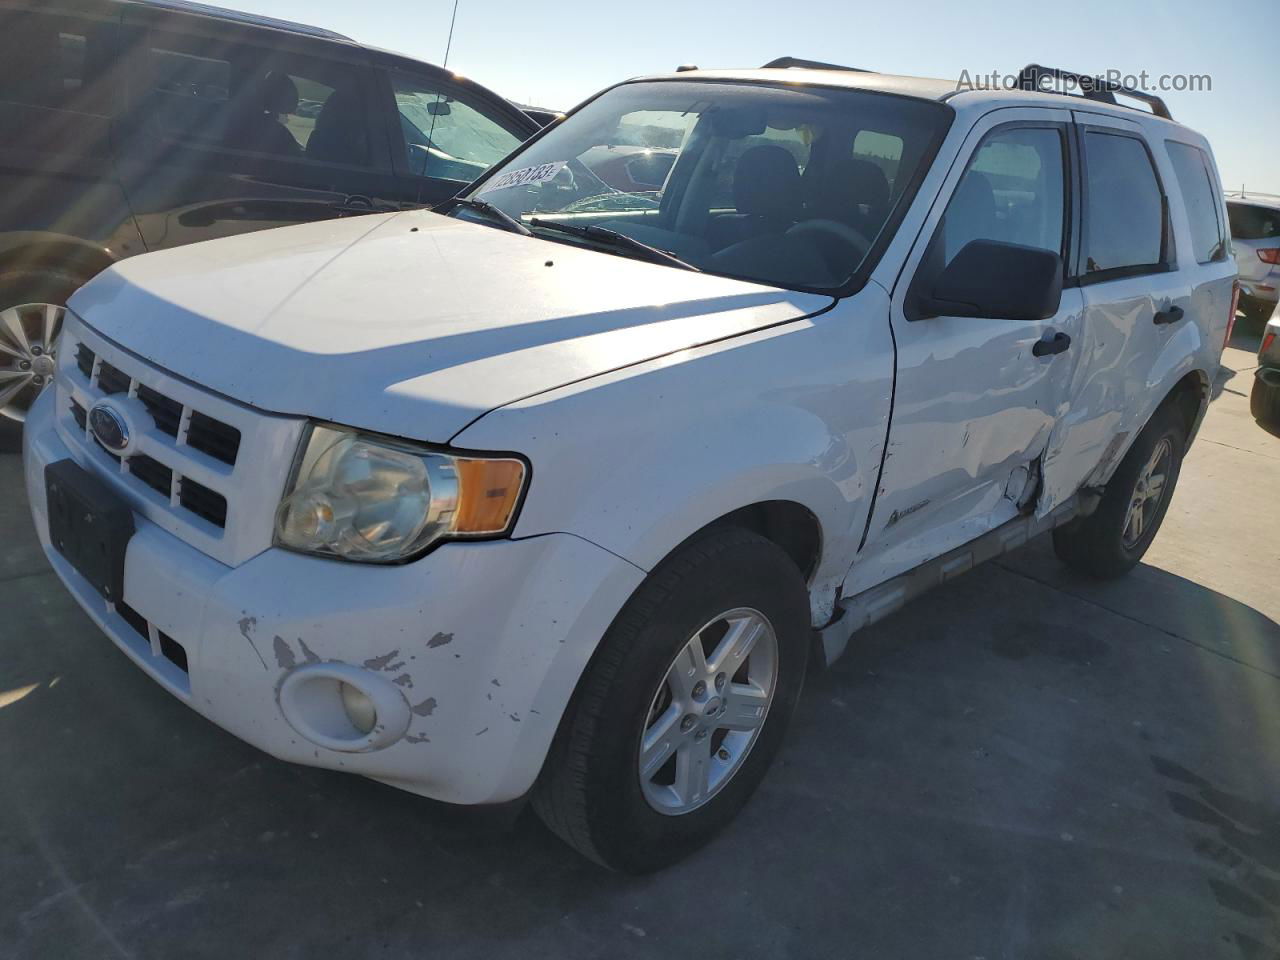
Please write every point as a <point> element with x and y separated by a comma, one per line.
<point>1168,315</point>
<point>1048,346</point>
<point>355,204</point>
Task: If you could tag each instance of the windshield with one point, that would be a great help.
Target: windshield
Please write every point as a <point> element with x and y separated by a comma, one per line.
<point>789,186</point>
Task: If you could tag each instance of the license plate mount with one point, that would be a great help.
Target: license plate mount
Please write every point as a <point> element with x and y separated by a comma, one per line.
<point>90,525</point>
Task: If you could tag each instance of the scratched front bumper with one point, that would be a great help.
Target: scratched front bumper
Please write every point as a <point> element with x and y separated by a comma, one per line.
<point>487,640</point>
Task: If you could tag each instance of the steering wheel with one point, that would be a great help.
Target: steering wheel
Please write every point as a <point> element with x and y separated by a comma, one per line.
<point>846,236</point>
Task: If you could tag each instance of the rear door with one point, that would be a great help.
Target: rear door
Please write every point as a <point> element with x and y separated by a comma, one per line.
<point>973,403</point>
<point>444,133</point>
<point>1126,265</point>
<point>235,128</point>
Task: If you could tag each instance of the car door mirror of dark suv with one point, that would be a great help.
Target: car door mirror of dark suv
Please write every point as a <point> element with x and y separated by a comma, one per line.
<point>990,278</point>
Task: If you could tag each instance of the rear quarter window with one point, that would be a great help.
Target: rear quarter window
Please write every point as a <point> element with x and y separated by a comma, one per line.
<point>1200,198</point>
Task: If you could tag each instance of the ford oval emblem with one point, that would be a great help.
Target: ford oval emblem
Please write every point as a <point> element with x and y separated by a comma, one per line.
<point>109,426</point>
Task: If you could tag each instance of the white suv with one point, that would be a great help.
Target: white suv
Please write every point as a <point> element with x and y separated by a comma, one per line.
<point>560,489</point>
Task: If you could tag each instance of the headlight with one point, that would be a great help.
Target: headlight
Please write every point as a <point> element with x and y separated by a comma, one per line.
<point>379,500</point>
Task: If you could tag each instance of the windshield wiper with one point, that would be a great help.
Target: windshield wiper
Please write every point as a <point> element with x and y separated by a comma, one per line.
<point>615,239</point>
<point>507,221</point>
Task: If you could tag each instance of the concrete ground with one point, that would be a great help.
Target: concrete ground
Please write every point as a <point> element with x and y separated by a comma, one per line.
<point>1025,765</point>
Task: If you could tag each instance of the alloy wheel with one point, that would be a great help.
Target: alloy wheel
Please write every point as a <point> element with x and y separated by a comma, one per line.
<point>708,711</point>
<point>28,355</point>
<point>1148,493</point>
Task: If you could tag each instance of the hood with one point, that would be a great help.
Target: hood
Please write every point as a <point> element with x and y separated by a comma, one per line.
<point>410,324</point>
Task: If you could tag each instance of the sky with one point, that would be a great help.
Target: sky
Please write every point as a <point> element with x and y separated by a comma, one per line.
<point>558,54</point>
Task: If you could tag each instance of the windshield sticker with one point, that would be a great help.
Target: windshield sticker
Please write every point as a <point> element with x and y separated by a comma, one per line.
<point>525,177</point>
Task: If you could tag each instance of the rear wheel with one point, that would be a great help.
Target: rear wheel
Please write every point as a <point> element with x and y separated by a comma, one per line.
<point>1110,541</point>
<point>682,709</point>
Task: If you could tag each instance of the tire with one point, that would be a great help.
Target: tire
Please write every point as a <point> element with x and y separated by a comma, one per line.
<point>591,791</point>
<point>1264,402</point>
<point>1101,545</point>
<point>21,288</point>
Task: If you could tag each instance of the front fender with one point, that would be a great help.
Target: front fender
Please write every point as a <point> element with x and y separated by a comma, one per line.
<point>638,460</point>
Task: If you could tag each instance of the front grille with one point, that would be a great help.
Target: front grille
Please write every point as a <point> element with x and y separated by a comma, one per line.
<point>188,427</point>
<point>151,472</point>
<point>203,502</point>
<point>134,619</point>
<point>219,440</point>
<point>166,413</point>
<point>112,379</point>
<point>202,467</point>
<point>84,360</point>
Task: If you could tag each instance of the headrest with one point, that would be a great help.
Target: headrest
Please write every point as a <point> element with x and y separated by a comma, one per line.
<point>766,183</point>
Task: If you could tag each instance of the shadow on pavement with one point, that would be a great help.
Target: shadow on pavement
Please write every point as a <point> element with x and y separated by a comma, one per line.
<point>1002,759</point>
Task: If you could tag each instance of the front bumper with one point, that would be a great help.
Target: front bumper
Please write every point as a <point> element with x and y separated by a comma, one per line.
<point>485,641</point>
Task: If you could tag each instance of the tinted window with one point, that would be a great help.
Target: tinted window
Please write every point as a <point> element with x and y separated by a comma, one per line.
<point>1124,219</point>
<point>50,60</point>
<point>1191,167</point>
<point>251,100</point>
<point>1012,191</point>
<point>445,136</point>
<point>1249,222</point>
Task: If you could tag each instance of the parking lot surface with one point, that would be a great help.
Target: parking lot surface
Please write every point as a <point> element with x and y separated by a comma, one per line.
<point>1025,764</point>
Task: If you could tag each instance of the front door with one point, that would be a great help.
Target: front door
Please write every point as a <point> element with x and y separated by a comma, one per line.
<point>975,399</point>
<point>231,130</point>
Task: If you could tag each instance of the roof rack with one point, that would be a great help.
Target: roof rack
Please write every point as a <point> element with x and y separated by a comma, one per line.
<point>1091,88</point>
<point>783,63</point>
<point>222,13</point>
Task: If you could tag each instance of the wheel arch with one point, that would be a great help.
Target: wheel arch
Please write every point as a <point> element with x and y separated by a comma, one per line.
<point>36,251</point>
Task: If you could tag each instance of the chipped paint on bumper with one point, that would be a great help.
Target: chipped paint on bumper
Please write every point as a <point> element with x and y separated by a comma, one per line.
<point>485,640</point>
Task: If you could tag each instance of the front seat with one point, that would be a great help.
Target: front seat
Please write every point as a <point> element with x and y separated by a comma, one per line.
<point>259,128</point>
<point>853,192</point>
<point>339,135</point>
<point>767,194</point>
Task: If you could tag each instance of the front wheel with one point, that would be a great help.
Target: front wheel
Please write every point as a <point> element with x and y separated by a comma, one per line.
<point>1110,541</point>
<point>681,711</point>
<point>31,314</point>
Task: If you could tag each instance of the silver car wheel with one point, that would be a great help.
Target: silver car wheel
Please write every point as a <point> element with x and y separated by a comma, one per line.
<point>1148,492</point>
<point>708,711</point>
<point>28,354</point>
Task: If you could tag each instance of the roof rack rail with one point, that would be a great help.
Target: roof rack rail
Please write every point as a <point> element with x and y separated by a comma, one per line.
<point>1091,88</point>
<point>782,63</point>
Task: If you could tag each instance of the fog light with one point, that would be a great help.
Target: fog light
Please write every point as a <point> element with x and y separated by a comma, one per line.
<point>340,706</point>
<point>360,709</point>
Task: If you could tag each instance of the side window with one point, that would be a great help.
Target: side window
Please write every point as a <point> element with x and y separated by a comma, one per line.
<point>445,136</point>
<point>1012,191</point>
<point>1249,222</point>
<point>1191,167</point>
<point>232,97</point>
<point>57,61</point>
<point>1124,224</point>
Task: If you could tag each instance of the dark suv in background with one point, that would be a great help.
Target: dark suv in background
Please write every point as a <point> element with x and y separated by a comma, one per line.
<point>136,125</point>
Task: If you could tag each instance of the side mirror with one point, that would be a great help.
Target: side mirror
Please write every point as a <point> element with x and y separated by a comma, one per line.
<point>990,278</point>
